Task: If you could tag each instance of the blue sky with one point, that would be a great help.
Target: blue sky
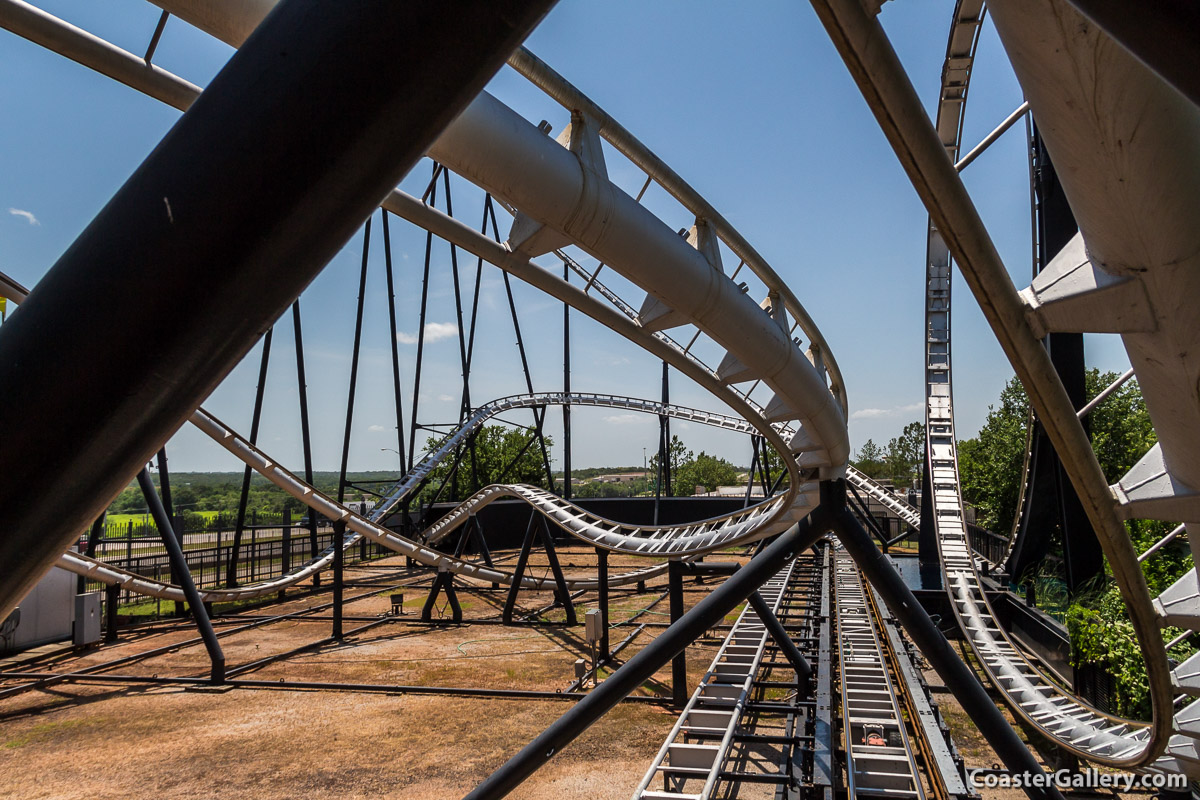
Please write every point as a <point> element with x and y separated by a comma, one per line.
<point>748,102</point>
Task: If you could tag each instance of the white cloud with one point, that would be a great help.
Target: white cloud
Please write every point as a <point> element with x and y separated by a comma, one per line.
<point>377,428</point>
<point>27,215</point>
<point>445,398</point>
<point>434,331</point>
<point>624,419</point>
<point>874,413</point>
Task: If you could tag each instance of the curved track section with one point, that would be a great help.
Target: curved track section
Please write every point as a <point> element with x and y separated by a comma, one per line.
<point>1056,713</point>
<point>563,196</point>
<point>880,493</point>
<point>456,438</point>
<point>679,541</point>
<point>756,337</point>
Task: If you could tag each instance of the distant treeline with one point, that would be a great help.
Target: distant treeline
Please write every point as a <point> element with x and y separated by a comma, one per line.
<point>221,491</point>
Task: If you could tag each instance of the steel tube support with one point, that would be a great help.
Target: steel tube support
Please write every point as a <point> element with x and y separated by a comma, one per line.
<point>182,574</point>
<point>925,635</point>
<point>679,692</point>
<point>705,614</point>
<point>885,86</point>
<point>305,436</point>
<point>1162,35</point>
<point>295,184</point>
<point>786,645</point>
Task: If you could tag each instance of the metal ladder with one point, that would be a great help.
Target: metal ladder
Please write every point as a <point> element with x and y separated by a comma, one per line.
<point>690,769</point>
<point>869,699</point>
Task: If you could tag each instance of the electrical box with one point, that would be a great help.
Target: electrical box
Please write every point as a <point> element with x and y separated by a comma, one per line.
<point>580,668</point>
<point>87,618</point>
<point>593,625</point>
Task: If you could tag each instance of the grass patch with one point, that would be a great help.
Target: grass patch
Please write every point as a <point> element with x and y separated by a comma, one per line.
<point>48,730</point>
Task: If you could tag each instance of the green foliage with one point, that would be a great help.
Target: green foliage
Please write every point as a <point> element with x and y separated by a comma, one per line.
<point>905,455</point>
<point>1120,426</point>
<point>990,465</point>
<point>870,460</point>
<point>704,470</point>
<point>208,493</point>
<point>590,488</point>
<point>677,456</point>
<point>1102,634</point>
<point>1097,619</point>
<point>501,455</point>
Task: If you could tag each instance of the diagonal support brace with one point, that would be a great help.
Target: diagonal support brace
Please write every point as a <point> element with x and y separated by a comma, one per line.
<point>780,636</point>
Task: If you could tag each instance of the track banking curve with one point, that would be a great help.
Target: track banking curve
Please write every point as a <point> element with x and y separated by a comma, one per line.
<point>756,337</point>
<point>1056,713</point>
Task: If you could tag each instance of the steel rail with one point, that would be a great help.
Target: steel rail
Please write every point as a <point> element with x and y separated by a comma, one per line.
<point>568,198</point>
<point>692,539</point>
<point>253,146</point>
<point>98,54</point>
<point>886,767</point>
<point>716,706</point>
<point>924,155</point>
<point>562,91</point>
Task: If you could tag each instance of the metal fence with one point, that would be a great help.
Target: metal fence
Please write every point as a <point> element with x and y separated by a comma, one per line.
<point>265,552</point>
<point>992,546</point>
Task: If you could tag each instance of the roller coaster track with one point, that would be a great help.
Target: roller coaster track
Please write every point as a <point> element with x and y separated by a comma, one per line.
<point>885,767</point>
<point>642,540</point>
<point>816,450</point>
<point>699,742</point>
<point>808,389</point>
<point>657,540</point>
<point>1051,303</point>
<point>561,196</point>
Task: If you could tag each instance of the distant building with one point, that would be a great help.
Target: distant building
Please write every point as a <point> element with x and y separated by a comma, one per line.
<point>729,491</point>
<point>622,477</point>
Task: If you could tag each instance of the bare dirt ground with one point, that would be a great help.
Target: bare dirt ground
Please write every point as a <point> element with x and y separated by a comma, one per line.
<point>97,741</point>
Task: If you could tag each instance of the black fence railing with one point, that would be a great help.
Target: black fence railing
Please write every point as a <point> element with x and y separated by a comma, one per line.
<point>196,522</point>
<point>992,546</point>
<point>265,553</point>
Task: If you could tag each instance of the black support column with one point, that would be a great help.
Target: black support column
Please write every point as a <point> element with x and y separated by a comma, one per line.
<point>958,677</point>
<point>705,614</point>
<point>292,145</point>
<point>1051,503</point>
<point>679,692</point>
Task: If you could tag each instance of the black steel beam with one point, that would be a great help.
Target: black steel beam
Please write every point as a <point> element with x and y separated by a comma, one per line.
<point>961,681</point>
<point>780,636</point>
<point>514,589</point>
<point>181,573</point>
<point>320,113</point>
<point>305,434</point>
<point>288,685</point>
<point>248,472</point>
<point>602,600</point>
<point>679,692</point>
<point>705,614</point>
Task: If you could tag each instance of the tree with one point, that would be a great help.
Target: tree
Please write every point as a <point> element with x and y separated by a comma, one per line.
<point>1120,426</point>
<point>677,456</point>
<point>905,454</point>
<point>991,465</point>
<point>502,455</point>
<point>704,470</point>
<point>870,460</point>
